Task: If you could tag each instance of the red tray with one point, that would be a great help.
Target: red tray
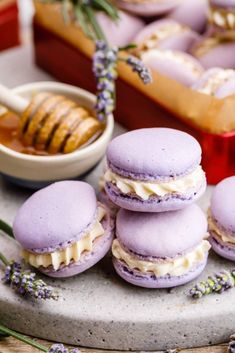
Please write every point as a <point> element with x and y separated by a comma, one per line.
<point>134,109</point>
<point>9,26</point>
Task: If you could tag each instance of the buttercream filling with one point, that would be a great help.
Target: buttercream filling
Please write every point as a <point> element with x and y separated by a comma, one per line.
<point>225,237</point>
<point>178,57</point>
<point>161,33</point>
<point>146,189</point>
<point>174,267</point>
<point>216,80</point>
<point>223,18</point>
<point>72,252</point>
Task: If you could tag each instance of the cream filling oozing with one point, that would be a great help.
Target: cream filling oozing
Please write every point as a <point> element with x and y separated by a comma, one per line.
<point>172,267</point>
<point>226,238</point>
<point>146,189</point>
<point>163,32</point>
<point>222,18</point>
<point>178,57</point>
<point>216,80</point>
<point>70,253</point>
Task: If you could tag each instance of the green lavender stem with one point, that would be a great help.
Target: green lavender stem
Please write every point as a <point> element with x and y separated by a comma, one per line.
<point>95,25</point>
<point>23,338</point>
<point>6,228</point>
<point>4,259</point>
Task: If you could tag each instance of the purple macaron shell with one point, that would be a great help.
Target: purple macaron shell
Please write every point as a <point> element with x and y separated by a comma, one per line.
<point>154,154</point>
<point>221,55</point>
<point>177,41</point>
<point>192,13</point>
<point>223,205</point>
<point>101,247</point>
<point>225,89</point>
<point>149,236</point>
<point>56,216</point>
<point>151,281</point>
<point>169,202</point>
<point>222,249</point>
<point>223,3</point>
<point>121,32</point>
<point>150,8</point>
<point>173,68</point>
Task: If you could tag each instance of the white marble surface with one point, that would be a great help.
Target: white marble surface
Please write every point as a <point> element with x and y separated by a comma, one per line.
<point>98,309</point>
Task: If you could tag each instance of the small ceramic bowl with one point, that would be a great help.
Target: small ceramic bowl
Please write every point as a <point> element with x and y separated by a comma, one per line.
<point>37,171</point>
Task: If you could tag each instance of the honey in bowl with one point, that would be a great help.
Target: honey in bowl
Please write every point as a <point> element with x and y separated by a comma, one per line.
<point>51,124</point>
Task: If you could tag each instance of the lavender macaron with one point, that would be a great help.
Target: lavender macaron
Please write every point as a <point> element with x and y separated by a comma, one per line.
<point>63,230</point>
<point>221,219</point>
<point>192,13</point>
<point>216,82</point>
<point>177,65</point>
<point>160,250</point>
<point>122,31</point>
<point>166,34</point>
<point>154,170</point>
<point>148,8</point>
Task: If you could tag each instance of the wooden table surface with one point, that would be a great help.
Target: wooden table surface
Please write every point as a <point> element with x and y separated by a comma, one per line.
<point>10,345</point>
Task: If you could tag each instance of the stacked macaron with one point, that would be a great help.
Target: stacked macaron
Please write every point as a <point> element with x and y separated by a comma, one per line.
<point>150,172</point>
<point>221,219</point>
<point>63,230</point>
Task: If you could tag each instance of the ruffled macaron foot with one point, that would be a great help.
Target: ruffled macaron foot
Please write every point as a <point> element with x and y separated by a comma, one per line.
<point>166,203</point>
<point>151,280</point>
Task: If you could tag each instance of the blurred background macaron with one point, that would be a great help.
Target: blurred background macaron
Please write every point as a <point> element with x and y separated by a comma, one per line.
<point>216,82</point>
<point>177,65</point>
<point>122,31</point>
<point>148,8</point>
<point>221,219</point>
<point>63,230</point>
<point>192,13</point>
<point>215,51</point>
<point>166,34</point>
<point>154,170</point>
<point>160,250</point>
<point>222,14</point>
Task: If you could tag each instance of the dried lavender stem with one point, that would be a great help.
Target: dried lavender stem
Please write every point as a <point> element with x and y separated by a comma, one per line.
<point>6,228</point>
<point>23,338</point>
<point>4,259</point>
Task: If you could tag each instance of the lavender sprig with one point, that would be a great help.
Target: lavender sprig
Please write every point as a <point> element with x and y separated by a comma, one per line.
<point>231,345</point>
<point>105,71</point>
<point>218,283</point>
<point>142,71</point>
<point>60,348</point>
<point>24,282</point>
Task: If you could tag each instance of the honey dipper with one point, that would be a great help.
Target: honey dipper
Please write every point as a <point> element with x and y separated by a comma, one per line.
<point>51,122</point>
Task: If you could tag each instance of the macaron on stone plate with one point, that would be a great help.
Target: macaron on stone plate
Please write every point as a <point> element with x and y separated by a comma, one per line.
<point>154,170</point>
<point>160,250</point>
<point>221,219</point>
<point>99,309</point>
<point>62,229</point>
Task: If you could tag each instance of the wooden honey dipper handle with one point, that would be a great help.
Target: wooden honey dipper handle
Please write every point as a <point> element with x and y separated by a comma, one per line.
<point>12,101</point>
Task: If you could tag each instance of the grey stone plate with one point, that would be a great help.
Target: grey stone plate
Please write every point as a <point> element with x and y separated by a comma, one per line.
<point>98,309</point>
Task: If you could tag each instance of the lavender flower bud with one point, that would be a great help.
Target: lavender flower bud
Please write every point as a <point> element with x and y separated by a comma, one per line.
<point>60,348</point>
<point>25,283</point>
<point>218,283</point>
<point>138,67</point>
<point>231,346</point>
